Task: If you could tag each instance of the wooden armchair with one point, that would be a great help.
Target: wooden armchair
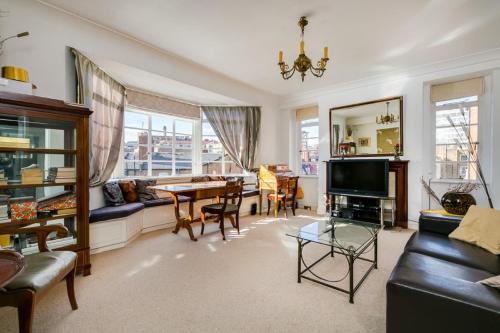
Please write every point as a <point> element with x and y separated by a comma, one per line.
<point>290,194</point>
<point>41,272</point>
<point>228,208</point>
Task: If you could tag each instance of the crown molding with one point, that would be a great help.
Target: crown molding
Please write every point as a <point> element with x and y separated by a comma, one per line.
<point>484,60</point>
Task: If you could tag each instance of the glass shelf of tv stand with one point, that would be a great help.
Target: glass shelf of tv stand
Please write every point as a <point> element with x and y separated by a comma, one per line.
<point>381,208</point>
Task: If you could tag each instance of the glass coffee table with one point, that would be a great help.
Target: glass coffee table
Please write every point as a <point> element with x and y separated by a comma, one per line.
<point>345,237</point>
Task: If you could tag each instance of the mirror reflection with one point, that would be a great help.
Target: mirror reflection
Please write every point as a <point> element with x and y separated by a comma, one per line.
<point>367,129</point>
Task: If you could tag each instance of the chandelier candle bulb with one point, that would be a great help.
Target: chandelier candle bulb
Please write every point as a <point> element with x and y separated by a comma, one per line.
<point>325,52</point>
<point>301,47</point>
<point>281,56</point>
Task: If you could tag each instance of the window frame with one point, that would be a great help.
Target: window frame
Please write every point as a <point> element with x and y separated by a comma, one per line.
<point>149,161</point>
<point>479,123</point>
<point>300,125</point>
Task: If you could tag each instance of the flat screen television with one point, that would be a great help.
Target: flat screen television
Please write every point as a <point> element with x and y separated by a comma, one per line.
<point>358,177</point>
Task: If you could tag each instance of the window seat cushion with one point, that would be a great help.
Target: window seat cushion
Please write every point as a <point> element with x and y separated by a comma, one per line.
<point>250,193</point>
<point>114,212</point>
<point>164,201</point>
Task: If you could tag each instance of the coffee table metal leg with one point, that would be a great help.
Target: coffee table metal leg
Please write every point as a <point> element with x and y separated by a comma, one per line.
<point>299,261</point>
<point>351,276</point>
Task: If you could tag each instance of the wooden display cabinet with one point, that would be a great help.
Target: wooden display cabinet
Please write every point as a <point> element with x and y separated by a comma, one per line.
<point>53,135</point>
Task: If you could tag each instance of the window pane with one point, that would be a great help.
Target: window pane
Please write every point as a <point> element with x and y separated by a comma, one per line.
<point>132,136</point>
<point>232,168</point>
<point>308,168</point>
<point>207,129</point>
<point>135,168</point>
<point>183,127</point>
<point>135,119</point>
<point>310,144</point>
<point>310,132</point>
<point>162,123</point>
<point>211,144</point>
<point>161,168</point>
<point>164,140</point>
<point>183,141</point>
<point>211,167</point>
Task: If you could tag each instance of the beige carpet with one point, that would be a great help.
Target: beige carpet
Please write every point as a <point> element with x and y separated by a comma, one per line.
<point>166,283</point>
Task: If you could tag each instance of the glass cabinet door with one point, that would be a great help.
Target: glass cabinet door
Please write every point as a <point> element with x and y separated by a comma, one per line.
<point>37,178</point>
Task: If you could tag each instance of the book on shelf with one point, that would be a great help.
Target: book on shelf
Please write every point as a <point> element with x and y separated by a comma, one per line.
<point>66,211</point>
<point>3,179</point>
<point>61,200</point>
<point>32,175</point>
<point>62,175</point>
<point>10,142</point>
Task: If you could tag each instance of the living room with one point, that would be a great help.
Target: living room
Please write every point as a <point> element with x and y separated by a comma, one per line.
<point>365,129</point>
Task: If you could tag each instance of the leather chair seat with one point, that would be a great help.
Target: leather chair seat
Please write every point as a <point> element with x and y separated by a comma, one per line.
<point>43,269</point>
<point>453,250</point>
<point>216,208</point>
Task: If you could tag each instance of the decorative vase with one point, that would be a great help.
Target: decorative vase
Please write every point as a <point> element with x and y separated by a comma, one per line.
<point>457,203</point>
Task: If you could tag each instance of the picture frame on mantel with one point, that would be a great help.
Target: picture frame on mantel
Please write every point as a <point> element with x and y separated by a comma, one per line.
<point>369,129</point>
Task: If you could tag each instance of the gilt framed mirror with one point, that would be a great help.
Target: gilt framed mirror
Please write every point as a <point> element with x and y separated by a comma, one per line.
<point>373,128</point>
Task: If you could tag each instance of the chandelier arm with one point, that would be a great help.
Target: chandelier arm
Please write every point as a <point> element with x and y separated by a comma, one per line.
<point>288,74</point>
<point>317,71</point>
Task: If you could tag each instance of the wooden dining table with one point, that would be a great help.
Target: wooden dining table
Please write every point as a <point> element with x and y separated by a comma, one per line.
<point>194,191</point>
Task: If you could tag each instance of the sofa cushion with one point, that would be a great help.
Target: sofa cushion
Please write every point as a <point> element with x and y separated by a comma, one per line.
<point>143,191</point>
<point>129,190</point>
<point>43,269</point>
<point>481,227</point>
<point>439,246</point>
<point>114,212</point>
<point>113,194</point>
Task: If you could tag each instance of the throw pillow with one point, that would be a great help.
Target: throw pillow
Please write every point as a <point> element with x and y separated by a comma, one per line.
<point>113,194</point>
<point>493,281</point>
<point>481,227</point>
<point>145,193</point>
<point>200,179</point>
<point>128,189</point>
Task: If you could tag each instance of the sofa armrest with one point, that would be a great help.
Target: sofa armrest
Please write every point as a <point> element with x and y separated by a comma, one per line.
<point>418,301</point>
<point>440,224</point>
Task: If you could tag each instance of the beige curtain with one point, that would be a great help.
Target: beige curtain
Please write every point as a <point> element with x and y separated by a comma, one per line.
<point>106,98</point>
<point>238,129</point>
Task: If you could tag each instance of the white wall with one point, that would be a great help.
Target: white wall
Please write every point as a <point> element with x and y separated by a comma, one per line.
<point>412,85</point>
<point>46,57</point>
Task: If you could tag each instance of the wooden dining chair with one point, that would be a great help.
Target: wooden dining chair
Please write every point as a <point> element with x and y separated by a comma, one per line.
<point>41,272</point>
<point>230,205</point>
<point>289,196</point>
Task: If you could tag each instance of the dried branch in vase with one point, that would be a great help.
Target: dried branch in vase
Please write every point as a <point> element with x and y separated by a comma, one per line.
<point>472,148</point>
<point>464,187</point>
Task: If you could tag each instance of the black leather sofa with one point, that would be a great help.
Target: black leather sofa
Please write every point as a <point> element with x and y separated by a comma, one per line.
<point>434,288</point>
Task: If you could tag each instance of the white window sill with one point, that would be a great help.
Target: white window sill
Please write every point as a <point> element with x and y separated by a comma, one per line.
<point>456,181</point>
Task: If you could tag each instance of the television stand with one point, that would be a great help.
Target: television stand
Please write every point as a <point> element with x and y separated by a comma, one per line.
<point>365,208</point>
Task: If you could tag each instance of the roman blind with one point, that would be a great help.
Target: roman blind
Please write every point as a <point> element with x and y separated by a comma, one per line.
<point>164,105</point>
<point>458,89</point>
<point>306,113</point>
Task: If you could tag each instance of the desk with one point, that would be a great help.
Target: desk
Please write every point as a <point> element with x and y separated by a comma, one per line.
<point>195,191</point>
<point>11,264</point>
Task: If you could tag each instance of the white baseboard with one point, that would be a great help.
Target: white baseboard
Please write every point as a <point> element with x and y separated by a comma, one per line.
<point>413,225</point>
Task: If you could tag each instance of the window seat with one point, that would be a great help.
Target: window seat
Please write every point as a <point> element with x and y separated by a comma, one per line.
<point>115,227</point>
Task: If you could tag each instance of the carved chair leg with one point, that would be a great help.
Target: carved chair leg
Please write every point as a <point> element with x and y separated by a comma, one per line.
<point>70,286</point>
<point>221,224</point>
<point>202,216</point>
<point>284,207</point>
<point>238,221</point>
<point>268,206</point>
<point>25,311</point>
<point>293,206</point>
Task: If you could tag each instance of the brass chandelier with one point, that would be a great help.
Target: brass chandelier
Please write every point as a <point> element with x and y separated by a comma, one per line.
<point>303,63</point>
<point>387,118</point>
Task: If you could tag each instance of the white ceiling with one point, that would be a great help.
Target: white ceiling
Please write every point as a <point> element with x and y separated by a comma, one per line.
<point>241,39</point>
